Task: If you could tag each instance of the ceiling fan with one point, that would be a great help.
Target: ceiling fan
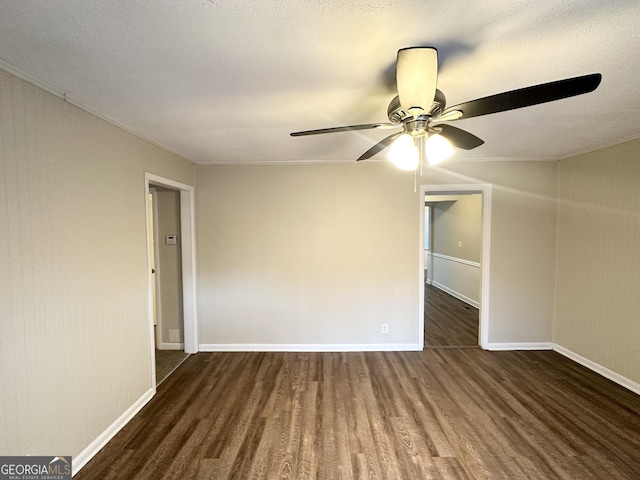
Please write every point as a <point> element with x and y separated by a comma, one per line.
<point>420,110</point>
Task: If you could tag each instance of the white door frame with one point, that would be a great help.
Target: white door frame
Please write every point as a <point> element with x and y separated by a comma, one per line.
<point>429,255</point>
<point>485,263</point>
<point>188,242</point>
<point>156,261</point>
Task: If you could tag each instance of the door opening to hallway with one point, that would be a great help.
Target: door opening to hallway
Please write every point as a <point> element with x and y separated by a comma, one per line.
<point>454,265</point>
<point>166,277</point>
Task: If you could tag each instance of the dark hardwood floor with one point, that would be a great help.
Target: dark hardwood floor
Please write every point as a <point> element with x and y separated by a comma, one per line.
<point>448,322</point>
<point>435,414</point>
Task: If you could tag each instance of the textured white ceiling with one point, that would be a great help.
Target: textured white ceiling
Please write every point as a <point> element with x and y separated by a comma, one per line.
<point>226,81</point>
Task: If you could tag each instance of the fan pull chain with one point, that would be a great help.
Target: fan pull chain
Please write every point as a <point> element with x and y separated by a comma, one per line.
<point>421,145</point>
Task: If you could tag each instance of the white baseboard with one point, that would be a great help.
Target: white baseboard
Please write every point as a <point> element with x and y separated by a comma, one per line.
<point>459,296</point>
<point>519,346</point>
<point>171,346</point>
<point>308,347</point>
<point>596,367</point>
<point>88,453</point>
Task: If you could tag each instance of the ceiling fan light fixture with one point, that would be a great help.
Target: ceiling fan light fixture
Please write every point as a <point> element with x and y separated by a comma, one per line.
<point>404,153</point>
<point>438,149</point>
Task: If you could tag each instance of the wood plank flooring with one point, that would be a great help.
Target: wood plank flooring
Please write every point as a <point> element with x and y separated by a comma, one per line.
<point>435,414</point>
<point>448,322</point>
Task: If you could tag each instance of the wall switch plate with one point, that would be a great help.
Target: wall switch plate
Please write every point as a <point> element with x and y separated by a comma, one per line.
<point>171,240</point>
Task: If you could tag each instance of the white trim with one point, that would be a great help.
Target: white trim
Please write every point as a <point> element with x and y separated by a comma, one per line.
<point>599,369</point>
<point>421,278</point>
<point>455,259</point>
<point>189,301</point>
<point>519,346</point>
<point>171,346</point>
<point>485,266</point>
<point>94,447</point>
<point>485,261</point>
<point>308,347</point>
<point>150,293</point>
<point>41,84</point>
<point>458,295</point>
<point>158,274</point>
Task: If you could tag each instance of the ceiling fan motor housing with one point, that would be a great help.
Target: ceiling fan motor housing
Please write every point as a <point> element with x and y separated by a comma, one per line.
<point>398,115</point>
<point>417,127</point>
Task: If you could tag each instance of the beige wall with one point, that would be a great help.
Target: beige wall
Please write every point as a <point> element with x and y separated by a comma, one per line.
<point>306,254</point>
<point>169,262</point>
<point>74,333</point>
<point>598,261</point>
<point>456,222</point>
<point>324,254</point>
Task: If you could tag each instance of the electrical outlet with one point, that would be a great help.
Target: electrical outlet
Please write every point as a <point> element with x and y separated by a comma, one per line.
<point>384,328</point>
<point>174,335</point>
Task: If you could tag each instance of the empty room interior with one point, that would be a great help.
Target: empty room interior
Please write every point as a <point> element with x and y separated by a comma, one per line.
<point>222,259</point>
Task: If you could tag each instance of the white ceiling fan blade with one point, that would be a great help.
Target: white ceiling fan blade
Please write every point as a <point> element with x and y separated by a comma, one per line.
<point>416,77</point>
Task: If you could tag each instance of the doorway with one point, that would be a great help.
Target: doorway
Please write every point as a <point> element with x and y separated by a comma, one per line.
<point>453,244</point>
<point>166,252</point>
<point>171,294</point>
<point>454,287</point>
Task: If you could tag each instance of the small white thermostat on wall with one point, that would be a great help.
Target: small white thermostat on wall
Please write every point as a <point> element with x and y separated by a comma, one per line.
<point>171,239</point>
